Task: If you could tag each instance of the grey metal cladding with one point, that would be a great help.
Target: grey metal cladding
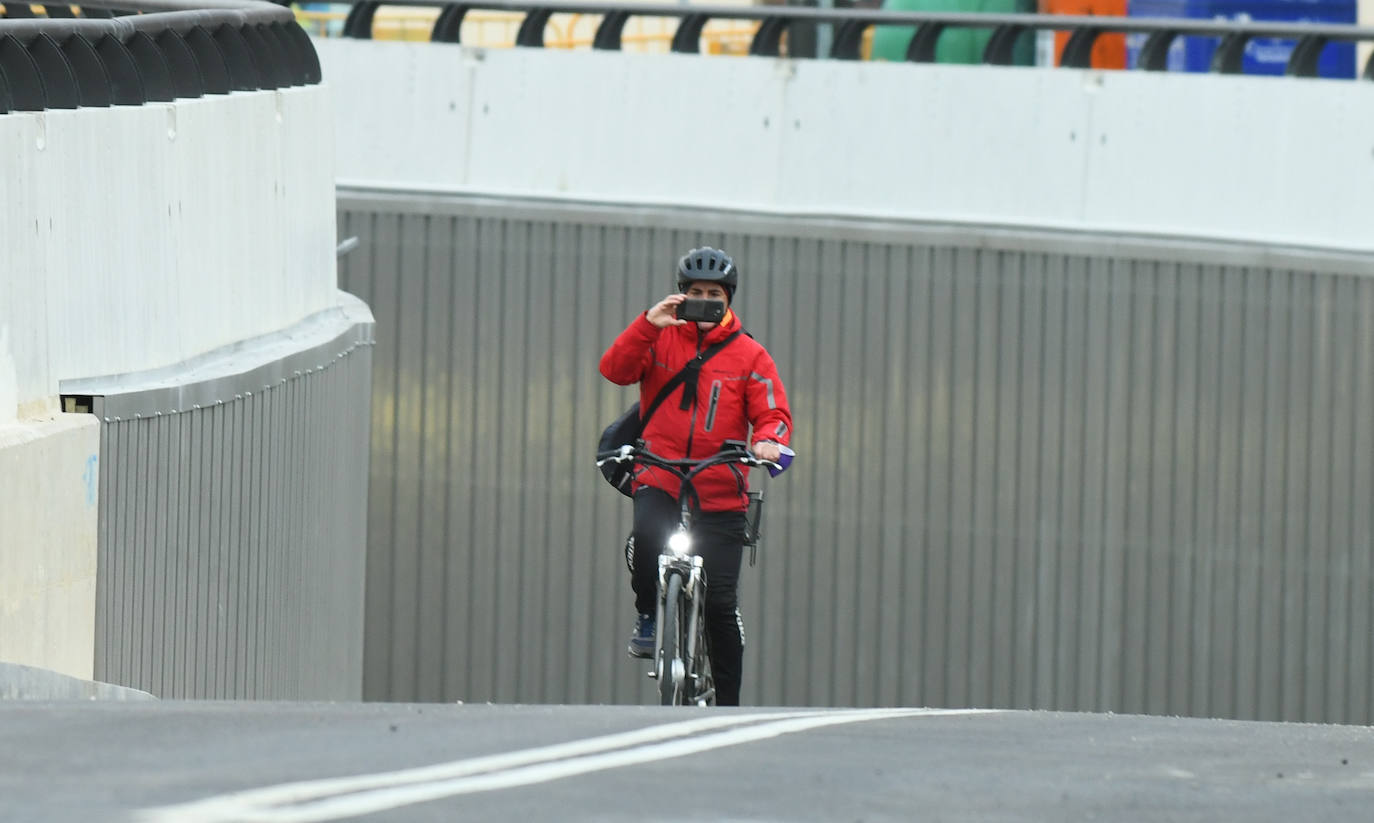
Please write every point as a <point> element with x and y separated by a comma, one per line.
<point>1035,469</point>
<point>232,518</point>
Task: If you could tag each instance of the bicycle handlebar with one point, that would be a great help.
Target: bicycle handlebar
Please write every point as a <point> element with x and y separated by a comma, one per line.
<point>684,468</point>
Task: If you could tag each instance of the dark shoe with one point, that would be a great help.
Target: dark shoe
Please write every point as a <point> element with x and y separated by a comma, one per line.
<point>642,641</point>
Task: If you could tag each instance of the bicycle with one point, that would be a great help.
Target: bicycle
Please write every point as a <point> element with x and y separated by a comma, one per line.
<point>682,663</point>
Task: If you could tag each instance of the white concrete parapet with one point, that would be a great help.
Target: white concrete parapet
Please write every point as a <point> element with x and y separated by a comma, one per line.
<point>134,238</point>
<point>141,236</point>
<point>1285,161</point>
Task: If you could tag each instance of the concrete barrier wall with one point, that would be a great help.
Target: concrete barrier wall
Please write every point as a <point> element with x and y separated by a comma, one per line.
<point>49,486</point>
<point>136,237</point>
<point>1262,159</point>
<point>139,240</point>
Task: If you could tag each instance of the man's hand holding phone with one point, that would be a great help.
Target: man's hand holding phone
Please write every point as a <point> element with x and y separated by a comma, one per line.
<point>664,313</point>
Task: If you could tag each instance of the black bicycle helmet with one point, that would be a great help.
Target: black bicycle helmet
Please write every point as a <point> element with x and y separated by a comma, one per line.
<point>711,265</point>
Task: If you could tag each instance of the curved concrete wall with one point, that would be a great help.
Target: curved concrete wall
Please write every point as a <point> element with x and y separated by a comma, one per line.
<point>138,237</point>
<point>1271,160</point>
<point>148,219</point>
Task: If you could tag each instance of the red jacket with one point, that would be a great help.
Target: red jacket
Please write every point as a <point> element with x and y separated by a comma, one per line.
<point>738,387</point>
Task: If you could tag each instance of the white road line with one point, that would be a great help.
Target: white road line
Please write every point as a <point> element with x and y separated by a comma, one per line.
<point>337,798</point>
<point>305,790</point>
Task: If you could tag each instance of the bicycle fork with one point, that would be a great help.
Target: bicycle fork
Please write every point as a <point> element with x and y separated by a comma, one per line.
<point>689,613</point>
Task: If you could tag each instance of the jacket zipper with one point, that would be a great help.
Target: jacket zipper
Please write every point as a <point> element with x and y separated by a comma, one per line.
<point>711,410</point>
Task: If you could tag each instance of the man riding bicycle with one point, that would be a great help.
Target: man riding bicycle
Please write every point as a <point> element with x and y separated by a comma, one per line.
<point>737,388</point>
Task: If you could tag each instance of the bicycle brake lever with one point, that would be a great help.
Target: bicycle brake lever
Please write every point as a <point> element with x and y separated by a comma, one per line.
<point>750,460</point>
<point>622,455</point>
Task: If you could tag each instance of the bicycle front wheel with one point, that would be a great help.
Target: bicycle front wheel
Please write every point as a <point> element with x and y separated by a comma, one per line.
<point>701,685</point>
<point>671,668</point>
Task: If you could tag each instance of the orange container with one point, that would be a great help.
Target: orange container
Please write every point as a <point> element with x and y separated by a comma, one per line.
<point>1109,52</point>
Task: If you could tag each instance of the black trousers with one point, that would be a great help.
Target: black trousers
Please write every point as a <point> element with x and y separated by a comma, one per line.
<point>718,537</point>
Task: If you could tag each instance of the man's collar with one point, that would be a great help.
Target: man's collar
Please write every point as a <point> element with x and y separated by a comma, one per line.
<point>727,324</point>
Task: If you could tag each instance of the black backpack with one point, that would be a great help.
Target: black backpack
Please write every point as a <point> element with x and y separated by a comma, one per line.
<point>629,426</point>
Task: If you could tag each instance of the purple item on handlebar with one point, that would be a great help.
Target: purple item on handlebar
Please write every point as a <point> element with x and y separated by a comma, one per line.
<point>784,460</point>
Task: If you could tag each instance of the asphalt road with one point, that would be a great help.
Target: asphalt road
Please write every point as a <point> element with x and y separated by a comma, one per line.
<point>206,761</point>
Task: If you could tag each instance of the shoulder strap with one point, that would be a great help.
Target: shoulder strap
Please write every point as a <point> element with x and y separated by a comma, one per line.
<point>686,373</point>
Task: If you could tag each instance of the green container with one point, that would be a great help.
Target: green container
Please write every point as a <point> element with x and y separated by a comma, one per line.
<point>956,45</point>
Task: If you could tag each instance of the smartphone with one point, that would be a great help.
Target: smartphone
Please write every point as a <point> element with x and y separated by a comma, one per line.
<point>701,310</point>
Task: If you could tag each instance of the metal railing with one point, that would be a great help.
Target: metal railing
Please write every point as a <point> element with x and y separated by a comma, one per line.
<point>849,26</point>
<point>497,29</point>
<point>123,53</point>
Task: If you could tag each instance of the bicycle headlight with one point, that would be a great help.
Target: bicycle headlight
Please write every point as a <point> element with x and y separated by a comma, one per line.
<point>679,543</point>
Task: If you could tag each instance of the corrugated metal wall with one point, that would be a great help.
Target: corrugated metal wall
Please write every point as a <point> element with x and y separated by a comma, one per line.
<point>232,510</point>
<point>1036,470</point>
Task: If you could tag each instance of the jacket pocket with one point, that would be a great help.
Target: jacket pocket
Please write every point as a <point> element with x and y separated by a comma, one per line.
<point>715,402</point>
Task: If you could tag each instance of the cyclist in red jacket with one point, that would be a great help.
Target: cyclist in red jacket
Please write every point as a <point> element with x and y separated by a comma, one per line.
<point>736,390</point>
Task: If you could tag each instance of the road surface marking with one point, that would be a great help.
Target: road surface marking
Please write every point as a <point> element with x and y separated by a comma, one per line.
<point>343,797</point>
